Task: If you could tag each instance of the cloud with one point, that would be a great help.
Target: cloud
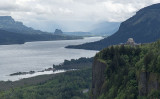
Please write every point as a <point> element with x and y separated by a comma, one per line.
<point>60,11</point>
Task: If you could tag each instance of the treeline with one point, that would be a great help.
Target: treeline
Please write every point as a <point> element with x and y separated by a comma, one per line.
<point>69,85</point>
<point>75,63</point>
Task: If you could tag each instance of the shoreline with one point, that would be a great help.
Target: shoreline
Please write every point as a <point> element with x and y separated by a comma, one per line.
<point>45,75</point>
<point>49,40</point>
<point>30,74</point>
<point>38,41</point>
<point>39,79</point>
<point>6,85</point>
<point>26,51</point>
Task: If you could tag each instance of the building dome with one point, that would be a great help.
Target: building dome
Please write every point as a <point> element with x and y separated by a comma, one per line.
<point>130,41</point>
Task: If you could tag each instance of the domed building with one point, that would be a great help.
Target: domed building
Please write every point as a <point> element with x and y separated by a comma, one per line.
<point>130,41</point>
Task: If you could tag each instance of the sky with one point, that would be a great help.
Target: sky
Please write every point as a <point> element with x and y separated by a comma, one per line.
<point>70,15</point>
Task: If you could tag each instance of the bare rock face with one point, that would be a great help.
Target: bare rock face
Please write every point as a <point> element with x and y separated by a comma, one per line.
<point>147,83</point>
<point>143,83</point>
<point>98,78</point>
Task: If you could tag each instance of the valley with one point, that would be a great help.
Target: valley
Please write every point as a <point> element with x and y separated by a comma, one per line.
<point>89,49</point>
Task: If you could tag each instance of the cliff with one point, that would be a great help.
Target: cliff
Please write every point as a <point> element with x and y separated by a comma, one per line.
<point>148,82</point>
<point>97,77</point>
<point>7,23</point>
<point>127,72</point>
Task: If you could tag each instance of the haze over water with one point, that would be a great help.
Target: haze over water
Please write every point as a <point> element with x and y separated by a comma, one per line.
<point>39,56</point>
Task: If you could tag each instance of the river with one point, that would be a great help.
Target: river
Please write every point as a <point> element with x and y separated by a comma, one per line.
<point>38,56</point>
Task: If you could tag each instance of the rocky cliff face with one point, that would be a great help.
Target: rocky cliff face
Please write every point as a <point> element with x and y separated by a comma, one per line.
<point>7,23</point>
<point>98,77</point>
<point>127,72</point>
<point>148,82</point>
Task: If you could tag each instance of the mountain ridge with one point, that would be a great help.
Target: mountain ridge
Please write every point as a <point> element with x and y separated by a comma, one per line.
<point>9,24</point>
<point>14,32</point>
<point>142,27</point>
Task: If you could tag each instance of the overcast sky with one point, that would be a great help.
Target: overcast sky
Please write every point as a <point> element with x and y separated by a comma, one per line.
<point>48,14</point>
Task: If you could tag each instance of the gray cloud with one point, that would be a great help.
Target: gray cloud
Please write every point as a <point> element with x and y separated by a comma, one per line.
<point>71,11</point>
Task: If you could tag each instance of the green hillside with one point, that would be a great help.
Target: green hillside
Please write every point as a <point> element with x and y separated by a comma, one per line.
<point>142,27</point>
<point>127,72</point>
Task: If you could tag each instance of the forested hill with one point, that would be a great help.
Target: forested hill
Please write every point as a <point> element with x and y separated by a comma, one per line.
<point>7,23</point>
<point>142,27</point>
<point>127,72</point>
<point>13,32</point>
<point>17,38</point>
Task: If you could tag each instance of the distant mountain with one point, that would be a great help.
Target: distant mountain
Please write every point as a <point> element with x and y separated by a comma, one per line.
<point>99,29</point>
<point>143,27</point>
<point>105,28</point>
<point>13,32</point>
<point>9,24</point>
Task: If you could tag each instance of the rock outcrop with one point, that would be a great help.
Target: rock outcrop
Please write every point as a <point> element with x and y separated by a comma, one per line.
<point>98,77</point>
<point>147,83</point>
<point>58,32</point>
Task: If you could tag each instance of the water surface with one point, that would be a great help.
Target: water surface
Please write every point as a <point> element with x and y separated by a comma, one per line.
<point>38,56</point>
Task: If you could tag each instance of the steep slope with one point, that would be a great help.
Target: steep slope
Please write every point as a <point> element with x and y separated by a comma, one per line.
<point>127,72</point>
<point>105,28</point>
<point>142,27</point>
<point>9,24</point>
